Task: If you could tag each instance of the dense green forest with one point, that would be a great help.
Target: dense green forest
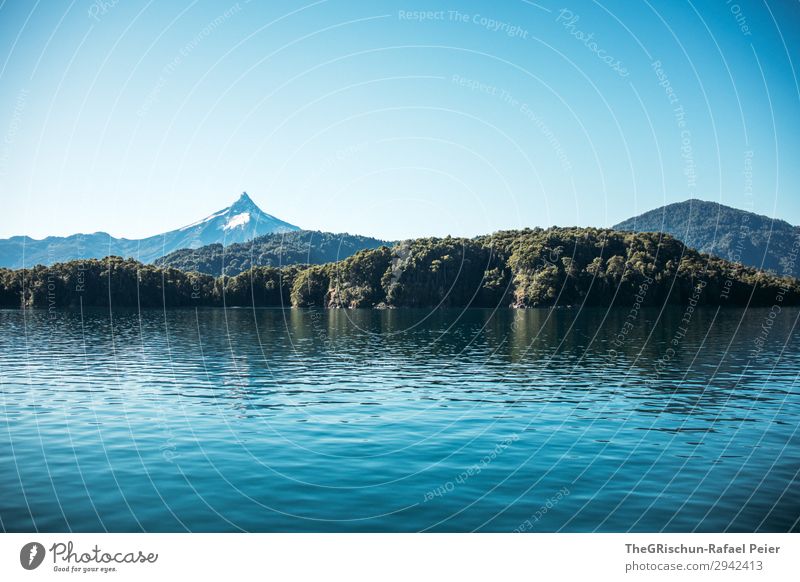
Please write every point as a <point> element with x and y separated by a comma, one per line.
<point>301,247</point>
<point>525,268</point>
<point>732,234</point>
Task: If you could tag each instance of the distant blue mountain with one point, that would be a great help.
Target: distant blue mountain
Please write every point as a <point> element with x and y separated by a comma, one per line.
<point>240,222</point>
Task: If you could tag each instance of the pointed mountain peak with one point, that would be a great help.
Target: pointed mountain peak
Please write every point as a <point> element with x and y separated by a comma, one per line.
<point>244,202</point>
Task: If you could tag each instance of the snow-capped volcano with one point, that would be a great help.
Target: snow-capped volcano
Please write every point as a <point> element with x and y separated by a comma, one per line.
<point>240,222</point>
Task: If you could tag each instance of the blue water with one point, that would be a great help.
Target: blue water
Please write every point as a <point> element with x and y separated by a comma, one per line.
<point>399,420</point>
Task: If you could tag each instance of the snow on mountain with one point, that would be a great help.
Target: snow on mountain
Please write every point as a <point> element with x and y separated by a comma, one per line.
<point>240,222</point>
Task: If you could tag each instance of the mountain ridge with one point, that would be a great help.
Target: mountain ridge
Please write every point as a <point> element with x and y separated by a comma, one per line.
<point>240,222</point>
<point>530,268</point>
<point>739,236</point>
<point>241,236</point>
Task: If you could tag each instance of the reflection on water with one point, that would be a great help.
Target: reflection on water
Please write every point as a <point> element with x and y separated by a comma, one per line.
<point>399,420</point>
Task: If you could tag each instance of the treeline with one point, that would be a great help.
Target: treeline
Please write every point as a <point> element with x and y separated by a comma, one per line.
<point>729,233</point>
<point>302,247</point>
<point>527,268</point>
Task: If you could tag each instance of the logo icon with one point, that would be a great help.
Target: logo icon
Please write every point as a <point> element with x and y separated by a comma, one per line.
<point>31,555</point>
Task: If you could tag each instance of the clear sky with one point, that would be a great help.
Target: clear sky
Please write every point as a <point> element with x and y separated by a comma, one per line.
<point>136,117</point>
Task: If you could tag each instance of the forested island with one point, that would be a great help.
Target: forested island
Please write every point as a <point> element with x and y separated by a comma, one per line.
<point>298,247</point>
<point>520,268</point>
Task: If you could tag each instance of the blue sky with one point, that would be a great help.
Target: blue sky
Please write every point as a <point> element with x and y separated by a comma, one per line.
<point>374,118</point>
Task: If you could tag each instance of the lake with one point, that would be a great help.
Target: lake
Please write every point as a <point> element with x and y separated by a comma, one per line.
<point>400,420</point>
